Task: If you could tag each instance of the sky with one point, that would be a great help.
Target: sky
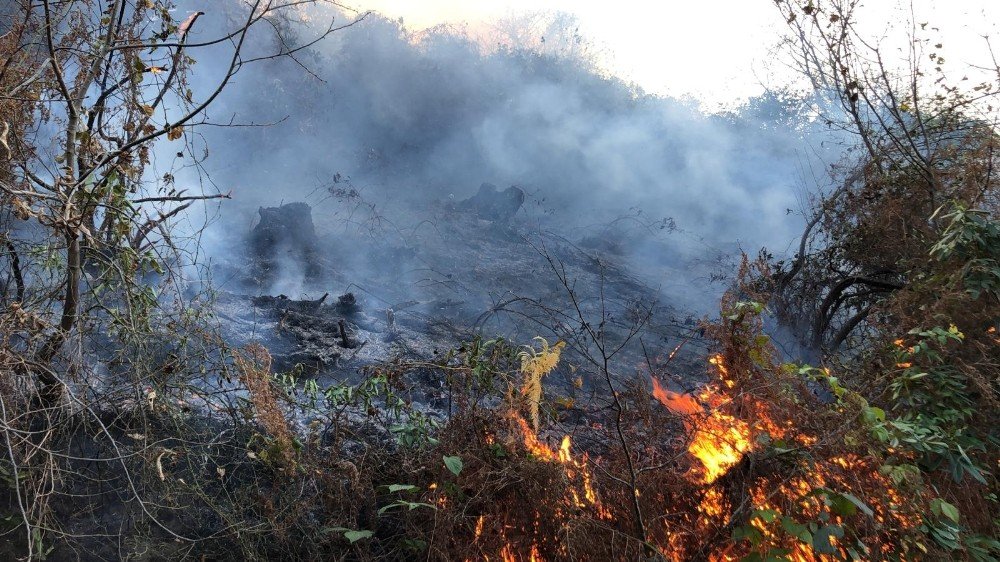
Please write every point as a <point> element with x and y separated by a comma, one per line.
<point>719,52</point>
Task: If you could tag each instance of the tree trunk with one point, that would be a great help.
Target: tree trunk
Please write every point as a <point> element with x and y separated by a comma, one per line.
<point>51,386</point>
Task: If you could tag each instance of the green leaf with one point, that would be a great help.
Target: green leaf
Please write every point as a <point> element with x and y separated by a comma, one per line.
<point>402,488</point>
<point>349,534</point>
<point>873,414</point>
<point>410,506</point>
<point>950,511</point>
<point>821,540</point>
<point>454,464</point>
<point>766,515</point>
<point>355,536</point>
<point>842,506</point>
<point>749,533</point>
<point>941,507</point>
<point>796,529</point>
<point>860,504</point>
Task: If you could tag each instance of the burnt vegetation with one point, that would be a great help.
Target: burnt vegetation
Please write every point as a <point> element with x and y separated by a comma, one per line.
<point>136,425</point>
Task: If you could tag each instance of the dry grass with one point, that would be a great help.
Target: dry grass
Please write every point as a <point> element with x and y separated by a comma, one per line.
<point>253,364</point>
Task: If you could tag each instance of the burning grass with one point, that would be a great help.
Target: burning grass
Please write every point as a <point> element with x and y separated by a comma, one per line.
<point>763,470</point>
<point>749,466</point>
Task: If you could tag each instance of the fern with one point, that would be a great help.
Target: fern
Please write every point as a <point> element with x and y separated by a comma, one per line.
<point>535,364</point>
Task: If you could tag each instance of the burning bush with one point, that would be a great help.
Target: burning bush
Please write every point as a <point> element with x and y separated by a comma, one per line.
<point>765,469</point>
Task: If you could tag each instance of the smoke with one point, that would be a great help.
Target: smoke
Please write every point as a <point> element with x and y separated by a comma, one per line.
<point>394,123</point>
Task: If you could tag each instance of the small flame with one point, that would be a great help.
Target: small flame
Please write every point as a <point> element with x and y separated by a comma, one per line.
<point>564,455</point>
<point>719,440</point>
<point>580,492</point>
<point>723,370</point>
<point>479,526</point>
<point>531,442</point>
<point>679,403</point>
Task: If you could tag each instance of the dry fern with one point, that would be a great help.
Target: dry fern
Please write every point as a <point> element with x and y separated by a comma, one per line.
<point>535,364</point>
<point>254,365</point>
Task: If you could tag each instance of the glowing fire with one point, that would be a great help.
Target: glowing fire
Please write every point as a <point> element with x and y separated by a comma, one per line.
<point>580,491</point>
<point>508,555</point>
<point>679,403</point>
<point>479,526</point>
<point>575,469</point>
<point>719,440</point>
<point>721,445</point>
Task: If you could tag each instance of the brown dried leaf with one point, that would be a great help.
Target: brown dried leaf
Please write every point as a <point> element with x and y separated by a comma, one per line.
<point>3,137</point>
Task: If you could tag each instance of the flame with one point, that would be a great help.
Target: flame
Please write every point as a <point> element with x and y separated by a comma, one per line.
<point>580,492</point>
<point>508,554</point>
<point>679,403</point>
<point>724,424</point>
<point>479,526</point>
<point>531,442</point>
<point>719,440</point>
<point>719,444</point>
<point>723,370</point>
<point>564,454</point>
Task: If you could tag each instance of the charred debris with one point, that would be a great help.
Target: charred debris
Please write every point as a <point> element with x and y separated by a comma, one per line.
<point>498,281</point>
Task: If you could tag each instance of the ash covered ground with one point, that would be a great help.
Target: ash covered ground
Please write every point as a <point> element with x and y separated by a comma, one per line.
<point>446,272</point>
<point>453,189</point>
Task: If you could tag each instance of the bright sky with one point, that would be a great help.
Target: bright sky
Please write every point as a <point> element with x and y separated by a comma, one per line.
<point>718,51</point>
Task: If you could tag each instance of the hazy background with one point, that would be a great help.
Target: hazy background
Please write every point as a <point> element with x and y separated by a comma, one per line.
<point>413,120</point>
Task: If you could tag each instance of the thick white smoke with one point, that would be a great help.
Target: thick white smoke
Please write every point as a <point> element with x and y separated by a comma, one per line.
<point>413,120</point>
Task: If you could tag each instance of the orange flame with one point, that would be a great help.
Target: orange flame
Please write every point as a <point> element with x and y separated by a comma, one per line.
<point>479,527</point>
<point>719,440</point>
<point>531,442</point>
<point>580,493</point>
<point>719,444</point>
<point>679,403</point>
